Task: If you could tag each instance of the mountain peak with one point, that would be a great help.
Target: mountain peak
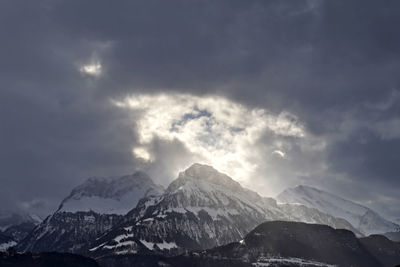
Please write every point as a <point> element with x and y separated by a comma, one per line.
<point>200,170</point>
<point>199,175</point>
<point>112,187</point>
<point>113,195</point>
<point>307,188</point>
<point>361,217</point>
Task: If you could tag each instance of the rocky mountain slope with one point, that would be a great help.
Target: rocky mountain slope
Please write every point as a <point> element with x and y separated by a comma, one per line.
<point>91,209</point>
<point>201,209</point>
<point>15,226</point>
<point>282,243</point>
<point>362,218</point>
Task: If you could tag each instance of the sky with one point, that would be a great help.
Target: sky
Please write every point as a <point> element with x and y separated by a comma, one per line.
<point>273,93</point>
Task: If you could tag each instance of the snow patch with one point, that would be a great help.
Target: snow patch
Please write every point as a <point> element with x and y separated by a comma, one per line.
<point>277,261</point>
<point>5,246</point>
<point>163,246</point>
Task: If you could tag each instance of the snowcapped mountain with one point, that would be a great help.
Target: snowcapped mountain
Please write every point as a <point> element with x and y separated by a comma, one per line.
<point>91,209</point>
<point>110,195</point>
<point>15,226</point>
<point>201,209</point>
<point>362,218</point>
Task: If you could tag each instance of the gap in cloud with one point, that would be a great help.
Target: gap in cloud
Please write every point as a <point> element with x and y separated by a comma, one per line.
<point>92,69</point>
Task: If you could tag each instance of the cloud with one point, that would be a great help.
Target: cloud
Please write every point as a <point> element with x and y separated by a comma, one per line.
<point>278,153</point>
<point>141,153</point>
<point>92,69</point>
<point>214,129</point>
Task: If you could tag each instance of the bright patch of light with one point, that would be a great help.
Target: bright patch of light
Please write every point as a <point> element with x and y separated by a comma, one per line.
<point>214,129</point>
<point>93,69</point>
<point>141,153</point>
<point>279,153</point>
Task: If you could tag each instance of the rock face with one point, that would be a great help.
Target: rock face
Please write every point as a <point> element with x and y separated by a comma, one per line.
<point>201,209</point>
<point>68,232</point>
<point>365,220</point>
<point>90,210</point>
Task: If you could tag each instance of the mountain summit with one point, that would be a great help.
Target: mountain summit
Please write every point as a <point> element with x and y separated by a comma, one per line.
<point>91,209</point>
<point>116,195</point>
<point>15,226</point>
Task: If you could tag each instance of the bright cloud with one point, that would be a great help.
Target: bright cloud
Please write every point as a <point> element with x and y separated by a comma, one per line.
<point>214,129</point>
<point>92,69</point>
<point>279,153</point>
<point>141,153</point>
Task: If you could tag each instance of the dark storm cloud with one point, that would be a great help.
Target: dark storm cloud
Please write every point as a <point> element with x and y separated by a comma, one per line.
<point>328,62</point>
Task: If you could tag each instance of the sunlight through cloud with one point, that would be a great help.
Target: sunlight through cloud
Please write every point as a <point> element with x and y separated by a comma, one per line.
<point>214,129</point>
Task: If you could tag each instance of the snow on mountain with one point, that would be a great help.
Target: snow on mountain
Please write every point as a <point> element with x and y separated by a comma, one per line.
<point>362,218</point>
<point>110,195</point>
<point>5,245</point>
<point>6,242</point>
<point>202,208</point>
<point>91,209</point>
<point>11,218</point>
<point>15,226</point>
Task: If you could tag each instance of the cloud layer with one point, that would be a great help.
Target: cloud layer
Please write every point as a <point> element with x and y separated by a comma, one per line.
<point>312,89</point>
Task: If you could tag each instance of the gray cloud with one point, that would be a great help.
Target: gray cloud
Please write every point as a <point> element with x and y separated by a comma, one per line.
<point>334,64</point>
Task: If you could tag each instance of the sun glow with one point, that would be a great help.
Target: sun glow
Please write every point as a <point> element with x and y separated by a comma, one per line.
<point>214,129</point>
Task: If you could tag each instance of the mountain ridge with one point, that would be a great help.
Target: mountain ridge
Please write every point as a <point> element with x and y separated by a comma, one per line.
<point>113,195</point>
<point>91,209</point>
<point>200,209</point>
<point>362,218</point>
<point>281,243</point>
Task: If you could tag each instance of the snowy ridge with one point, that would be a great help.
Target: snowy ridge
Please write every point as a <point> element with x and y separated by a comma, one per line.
<point>110,195</point>
<point>91,209</point>
<point>280,261</point>
<point>362,218</point>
